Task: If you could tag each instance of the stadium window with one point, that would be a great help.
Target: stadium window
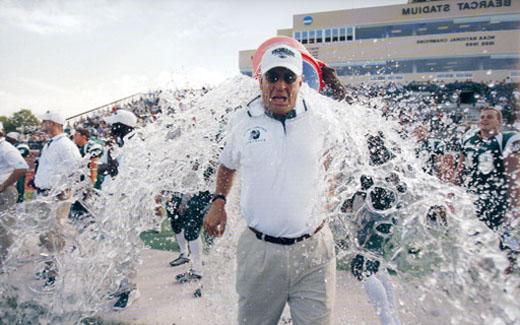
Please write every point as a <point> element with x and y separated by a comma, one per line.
<point>397,67</point>
<point>343,71</point>
<point>422,30</point>
<point>370,32</point>
<point>334,34</point>
<point>506,25</point>
<point>304,37</point>
<point>342,34</point>
<point>319,36</point>
<point>350,34</point>
<point>297,36</point>
<point>402,30</point>
<point>327,36</point>
<point>501,63</point>
<point>311,37</point>
<point>449,64</point>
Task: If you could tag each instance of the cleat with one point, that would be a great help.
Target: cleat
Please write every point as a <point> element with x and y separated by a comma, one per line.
<point>182,259</point>
<point>188,277</point>
<point>125,299</point>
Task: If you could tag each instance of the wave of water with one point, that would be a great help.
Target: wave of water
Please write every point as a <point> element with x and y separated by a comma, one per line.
<point>457,265</point>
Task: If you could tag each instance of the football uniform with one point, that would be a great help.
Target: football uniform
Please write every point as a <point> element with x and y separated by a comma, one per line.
<point>484,173</point>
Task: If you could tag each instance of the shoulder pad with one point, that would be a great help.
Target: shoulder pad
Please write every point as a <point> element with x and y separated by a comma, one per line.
<point>468,135</point>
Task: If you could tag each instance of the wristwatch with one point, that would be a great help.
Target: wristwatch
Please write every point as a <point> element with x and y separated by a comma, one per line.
<point>218,196</point>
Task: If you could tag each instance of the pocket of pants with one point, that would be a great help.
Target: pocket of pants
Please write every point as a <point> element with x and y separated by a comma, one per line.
<point>251,263</point>
<point>242,251</point>
<point>325,250</point>
<point>329,242</point>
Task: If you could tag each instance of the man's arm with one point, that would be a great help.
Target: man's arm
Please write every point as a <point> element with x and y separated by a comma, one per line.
<point>215,221</point>
<point>13,178</point>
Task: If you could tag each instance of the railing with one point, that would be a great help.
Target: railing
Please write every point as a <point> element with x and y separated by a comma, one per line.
<point>72,119</point>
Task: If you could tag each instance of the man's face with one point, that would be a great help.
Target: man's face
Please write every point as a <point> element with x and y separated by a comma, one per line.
<point>47,126</point>
<point>80,139</point>
<point>489,120</point>
<point>280,88</point>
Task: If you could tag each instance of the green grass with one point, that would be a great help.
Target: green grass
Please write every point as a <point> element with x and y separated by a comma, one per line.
<point>163,240</point>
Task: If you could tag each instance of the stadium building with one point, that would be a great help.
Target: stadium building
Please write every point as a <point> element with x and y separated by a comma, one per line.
<point>444,40</point>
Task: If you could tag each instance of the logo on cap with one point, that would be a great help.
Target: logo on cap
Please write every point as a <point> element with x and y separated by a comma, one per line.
<point>282,52</point>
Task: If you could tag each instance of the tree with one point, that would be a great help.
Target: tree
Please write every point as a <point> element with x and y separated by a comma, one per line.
<point>22,121</point>
<point>3,119</point>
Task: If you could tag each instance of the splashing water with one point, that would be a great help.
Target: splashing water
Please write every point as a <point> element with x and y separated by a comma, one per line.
<point>455,263</point>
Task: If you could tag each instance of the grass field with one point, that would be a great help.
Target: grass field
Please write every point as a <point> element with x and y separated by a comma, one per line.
<point>162,240</point>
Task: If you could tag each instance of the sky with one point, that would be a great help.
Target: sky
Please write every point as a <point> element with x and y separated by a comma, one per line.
<point>72,56</point>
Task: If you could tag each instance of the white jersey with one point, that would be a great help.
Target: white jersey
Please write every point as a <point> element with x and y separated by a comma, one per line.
<point>281,169</point>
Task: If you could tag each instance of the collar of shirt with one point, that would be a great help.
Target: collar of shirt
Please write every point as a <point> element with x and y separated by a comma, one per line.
<point>55,138</point>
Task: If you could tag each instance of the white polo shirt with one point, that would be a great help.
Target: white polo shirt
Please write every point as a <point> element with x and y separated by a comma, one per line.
<point>59,158</point>
<point>282,176</point>
<point>10,159</point>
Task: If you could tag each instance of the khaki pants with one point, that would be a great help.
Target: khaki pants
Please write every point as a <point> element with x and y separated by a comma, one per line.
<point>54,239</point>
<point>7,202</point>
<point>271,275</point>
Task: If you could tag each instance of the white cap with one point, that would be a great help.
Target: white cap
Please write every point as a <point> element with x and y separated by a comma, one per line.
<point>53,117</point>
<point>123,117</point>
<point>13,135</point>
<point>282,56</point>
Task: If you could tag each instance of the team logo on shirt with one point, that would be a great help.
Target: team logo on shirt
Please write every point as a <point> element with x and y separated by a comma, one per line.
<point>485,163</point>
<point>256,135</point>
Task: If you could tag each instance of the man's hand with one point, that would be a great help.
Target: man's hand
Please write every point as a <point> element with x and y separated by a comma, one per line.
<point>215,221</point>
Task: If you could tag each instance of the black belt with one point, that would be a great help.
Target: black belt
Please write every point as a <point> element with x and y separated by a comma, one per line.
<point>43,191</point>
<point>284,240</point>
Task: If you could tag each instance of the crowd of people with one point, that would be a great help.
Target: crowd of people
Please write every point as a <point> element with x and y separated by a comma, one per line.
<point>282,227</point>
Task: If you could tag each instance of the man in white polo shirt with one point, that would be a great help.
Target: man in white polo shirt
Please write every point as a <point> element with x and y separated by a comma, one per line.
<point>12,167</point>
<point>286,255</point>
<point>59,157</point>
<point>59,160</point>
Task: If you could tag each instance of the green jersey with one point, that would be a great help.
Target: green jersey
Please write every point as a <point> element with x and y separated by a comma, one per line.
<point>484,172</point>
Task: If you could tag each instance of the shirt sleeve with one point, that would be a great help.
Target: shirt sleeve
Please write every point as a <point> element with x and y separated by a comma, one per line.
<point>15,159</point>
<point>70,157</point>
<point>230,156</point>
